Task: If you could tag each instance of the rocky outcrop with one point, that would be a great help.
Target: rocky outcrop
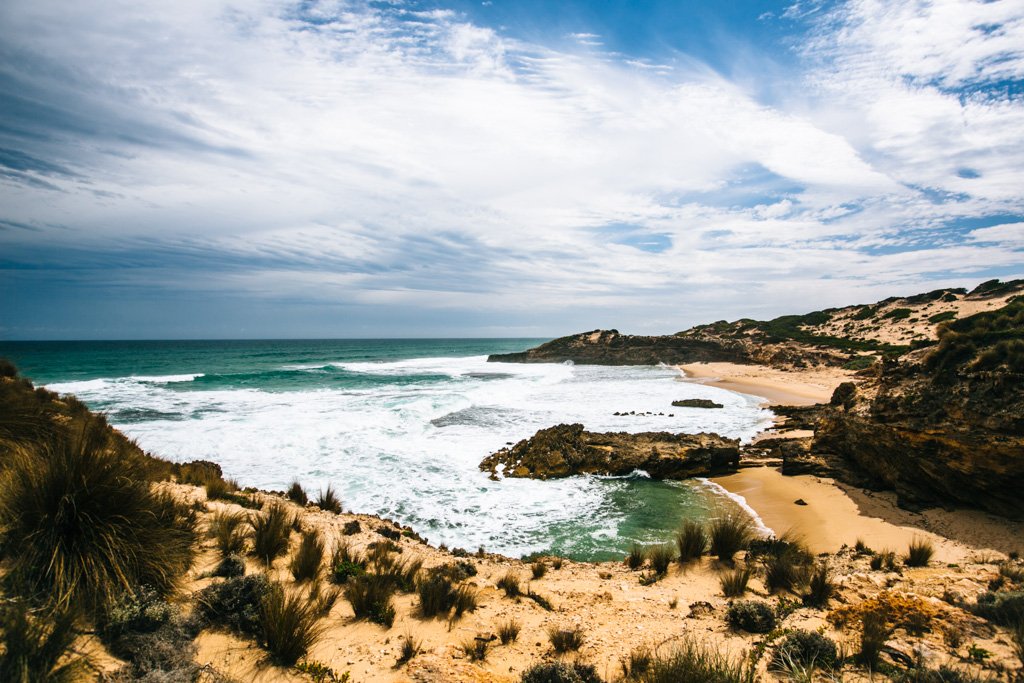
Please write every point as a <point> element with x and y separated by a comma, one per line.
<point>696,403</point>
<point>608,347</point>
<point>565,450</point>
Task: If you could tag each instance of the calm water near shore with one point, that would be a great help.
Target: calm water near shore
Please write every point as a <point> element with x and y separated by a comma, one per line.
<point>399,426</point>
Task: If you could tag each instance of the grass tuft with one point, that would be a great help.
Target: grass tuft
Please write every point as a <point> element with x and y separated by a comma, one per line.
<point>692,662</point>
<point>919,553</point>
<point>691,541</point>
<point>538,569</point>
<point>635,558</point>
<point>226,530</point>
<point>86,523</point>
<point>270,531</point>
<point>305,563</point>
<point>729,535</point>
<point>289,625</point>
<point>566,639</point>
<point>820,588</point>
<point>410,648</point>
<point>734,583</point>
<point>476,649</point>
<point>370,597</point>
<point>297,494</point>
<point>637,663</point>
<point>661,557</point>
<point>328,500</point>
<point>873,634</point>
<point>36,648</point>
<point>508,632</point>
<point>510,584</point>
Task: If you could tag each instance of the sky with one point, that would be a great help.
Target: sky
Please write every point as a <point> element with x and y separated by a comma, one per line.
<point>307,168</point>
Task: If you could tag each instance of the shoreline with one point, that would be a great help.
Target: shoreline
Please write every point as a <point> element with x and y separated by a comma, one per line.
<point>774,386</point>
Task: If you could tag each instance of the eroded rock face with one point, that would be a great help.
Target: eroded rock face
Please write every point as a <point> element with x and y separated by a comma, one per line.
<point>568,449</point>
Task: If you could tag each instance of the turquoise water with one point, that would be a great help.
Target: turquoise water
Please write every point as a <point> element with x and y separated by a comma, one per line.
<point>398,427</point>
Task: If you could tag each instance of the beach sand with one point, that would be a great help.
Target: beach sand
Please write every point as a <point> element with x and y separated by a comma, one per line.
<point>777,387</point>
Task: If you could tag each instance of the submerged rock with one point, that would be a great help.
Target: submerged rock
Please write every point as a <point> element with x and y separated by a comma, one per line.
<point>696,403</point>
<point>568,449</point>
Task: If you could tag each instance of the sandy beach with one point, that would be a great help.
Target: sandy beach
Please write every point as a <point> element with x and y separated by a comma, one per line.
<point>775,386</point>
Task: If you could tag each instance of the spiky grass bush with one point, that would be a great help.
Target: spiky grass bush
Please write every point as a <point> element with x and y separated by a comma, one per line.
<point>874,631</point>
<point>919,553</point>
<point>226,530</point>
<point>270,531</point>
<point>297,494</point>
<point>508,631</point>
<point>693,662</point>
<point>328,500</point>
<point>734,583</point>
<point>820,588</point>
<point>465,601</point>
<point>288,624</point>
<point>305,563</point>
<point>787,568</point>
<point>691,541</point>
<point>538,569</point>
<point>661,557</point>
<point>370,597</point>
<point>346,563</point>
<point>510,584</point>
<point>728,535</point>
<point>86,523</point>
<point>637,662</point>
<point>410,648</point>
<point>437,595</point>
<point>476,649</point>
<point>35,647</point>
<point>556,563</point>
<point>635,558</point>
<point>566,639</point>
<point>218,488</point>
<point>323,598</point>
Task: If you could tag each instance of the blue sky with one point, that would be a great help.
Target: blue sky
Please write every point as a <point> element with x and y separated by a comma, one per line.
<point>273,168</point>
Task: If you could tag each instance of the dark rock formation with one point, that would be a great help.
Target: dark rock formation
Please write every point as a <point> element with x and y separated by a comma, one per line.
<point>608,347</point>
<point>565,450</point>
<point>697,403</point>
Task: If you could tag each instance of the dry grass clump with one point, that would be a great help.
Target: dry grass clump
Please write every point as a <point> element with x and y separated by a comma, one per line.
<point>508,632</point>
<point>734,583</point>
<point>370,597</point>
<point>305,563</point>
<point>660,557</point>
<point>566,639</point>
<point>874,631</point>
<point>729,535</point>
<point>297,494</point>
<point>637,663</point>
<point>476,649</point>
<point>270,531</point>
<point>225,528</point>
<point>510,584</point>
<point>538,569</point>
<point>289,625</point>
<point>692,662</point>
<point>885,558</point>
<point>919,553</point>
<point>328,500</point>
<point>410,648</point>
<point>691,541</point>
<point>787,563</point>
<point>86,523</point>
<point>35,647</point>
<point>820,587</point>
<point>635,558</point>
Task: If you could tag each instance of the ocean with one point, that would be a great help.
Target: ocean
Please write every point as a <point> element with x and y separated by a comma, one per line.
<point>399,426</point>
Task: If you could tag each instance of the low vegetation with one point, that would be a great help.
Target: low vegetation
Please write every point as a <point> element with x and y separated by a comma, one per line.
<point>328,500</point>
<point>307,559</point>
<point>297,494</point>
<point>370,596</point>
<point>919,553</point>
<point>692,662</point>
<point>228,533</point>
<point>270,531</point>
<point>510,584</point>
<point>289,625</point>
<point>734,583</point>
<point>729,535</point>
<point>34,646</point>
<point>508,632</point>
<point>753,616</point>
<point>566,639</point>
<point>691,541</point>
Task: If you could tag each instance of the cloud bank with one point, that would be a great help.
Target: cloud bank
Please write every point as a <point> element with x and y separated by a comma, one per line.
<point>272,168</point>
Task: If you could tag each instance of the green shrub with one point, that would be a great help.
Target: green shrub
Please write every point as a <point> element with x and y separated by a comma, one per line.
<point>1005,608</point>
<point>820,588</point>
<point>289,625</point>
<point>510,584</point>
<point>35,646</point>
<point>635,558</point>
<point>328,500</point>
<point>729,535</point>
<point>805,648</point>
<point>305,563</point>
<point>661,557</point>
<point>566,639</point>
<point>270,531</point>
<point>235,603</point>
<point>561,672</point>
<point>753,616</point>
<point>508,632</point>
<point>144,611</point>
<point>691,541</point>
<point>225,529</point>
<point>692,662</point>
<point>229,567</point>
<point>370,597</point>
<point>734,583</point>
<point>942,317</point>
<point>919,553</point>
<point>297,494</point>
<point>86,523</point>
